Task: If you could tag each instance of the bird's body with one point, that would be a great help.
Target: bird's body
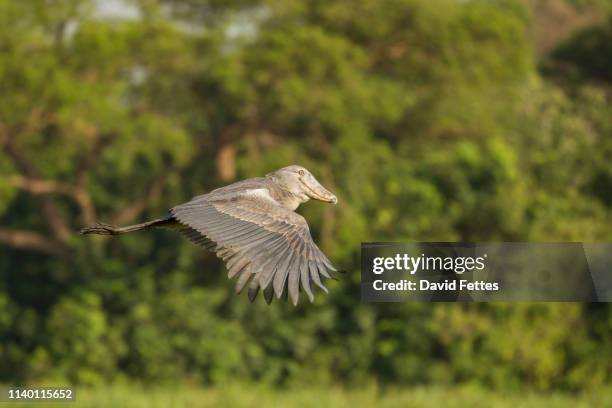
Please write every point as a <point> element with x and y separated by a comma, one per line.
<point>252,226</point>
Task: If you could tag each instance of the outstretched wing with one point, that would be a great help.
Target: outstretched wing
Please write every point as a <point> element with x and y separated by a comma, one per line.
<point>262,243</point>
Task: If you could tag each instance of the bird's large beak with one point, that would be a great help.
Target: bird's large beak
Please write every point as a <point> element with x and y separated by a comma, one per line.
<point>316,191</point>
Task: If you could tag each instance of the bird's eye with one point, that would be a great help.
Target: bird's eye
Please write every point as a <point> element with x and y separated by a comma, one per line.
<point>301,172</point>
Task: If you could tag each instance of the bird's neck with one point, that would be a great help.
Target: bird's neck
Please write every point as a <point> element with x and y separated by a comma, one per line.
<point>286,198</point>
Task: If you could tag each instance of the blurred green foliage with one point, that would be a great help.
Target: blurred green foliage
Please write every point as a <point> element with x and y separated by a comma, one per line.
<point>431,120</point>
<point>251,395</point>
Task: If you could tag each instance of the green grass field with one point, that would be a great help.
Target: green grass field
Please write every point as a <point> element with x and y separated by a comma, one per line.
<point>255,396</point>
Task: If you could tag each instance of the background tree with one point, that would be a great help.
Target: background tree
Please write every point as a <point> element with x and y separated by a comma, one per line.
<point>430,120</point>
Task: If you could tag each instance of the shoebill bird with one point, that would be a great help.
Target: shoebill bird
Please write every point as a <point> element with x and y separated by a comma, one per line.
<point>252,226</point>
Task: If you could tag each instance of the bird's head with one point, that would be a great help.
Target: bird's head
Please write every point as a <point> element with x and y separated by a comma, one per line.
<point>299,182</point>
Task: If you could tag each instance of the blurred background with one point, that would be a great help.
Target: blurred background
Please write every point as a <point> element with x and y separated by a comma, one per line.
<point>445,120</point>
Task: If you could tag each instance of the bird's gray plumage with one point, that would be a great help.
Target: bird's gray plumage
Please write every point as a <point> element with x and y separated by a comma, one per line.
<point>251,225</point>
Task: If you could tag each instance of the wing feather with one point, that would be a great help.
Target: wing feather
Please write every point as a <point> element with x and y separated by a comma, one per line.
<point>305,279</point>
<point>253,290</point>
<point>273,266</point>
<point>280,279</point>
<point>237,267</point>
<point>269,294</point>
<point>314,274</point>
<point>245,275</point>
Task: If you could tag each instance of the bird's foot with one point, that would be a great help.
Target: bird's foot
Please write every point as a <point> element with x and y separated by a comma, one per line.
<point>99,228</point>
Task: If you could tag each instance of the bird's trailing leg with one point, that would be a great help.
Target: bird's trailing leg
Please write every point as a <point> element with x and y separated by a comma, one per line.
<point>101,228</point>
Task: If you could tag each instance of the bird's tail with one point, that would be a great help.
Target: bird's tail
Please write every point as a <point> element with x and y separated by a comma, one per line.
<point>101,228</point>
